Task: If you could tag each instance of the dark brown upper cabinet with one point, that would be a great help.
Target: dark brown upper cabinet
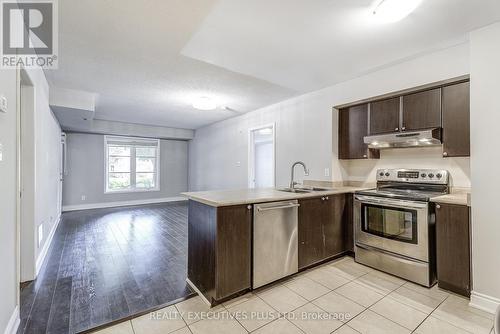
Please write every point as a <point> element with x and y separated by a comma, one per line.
<point>456,120</point>
<point>353,127</point>
<point>384,116</point>
<point>422,110</point>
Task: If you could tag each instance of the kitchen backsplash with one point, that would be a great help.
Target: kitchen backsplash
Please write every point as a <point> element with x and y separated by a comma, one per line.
<point>364,171</point>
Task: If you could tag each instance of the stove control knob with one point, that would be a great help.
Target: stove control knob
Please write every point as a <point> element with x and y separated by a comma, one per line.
<point>387,174</point>
<point>381,174</point>
<point>438,175</point>
<point>431,175</point>
<point>423,175</point>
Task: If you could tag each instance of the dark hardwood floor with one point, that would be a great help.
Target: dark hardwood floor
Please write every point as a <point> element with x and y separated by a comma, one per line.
<point>108,264</point>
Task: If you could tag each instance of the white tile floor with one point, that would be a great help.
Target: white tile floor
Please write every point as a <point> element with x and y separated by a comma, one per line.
<point>340,297</point>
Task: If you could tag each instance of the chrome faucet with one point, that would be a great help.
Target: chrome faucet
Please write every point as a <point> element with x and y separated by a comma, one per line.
<point>306,172</point>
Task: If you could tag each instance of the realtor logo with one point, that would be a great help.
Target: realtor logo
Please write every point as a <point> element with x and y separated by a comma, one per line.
<point>29,34</point>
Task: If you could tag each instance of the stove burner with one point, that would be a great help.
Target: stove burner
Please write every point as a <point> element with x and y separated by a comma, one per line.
<point>410,184</point>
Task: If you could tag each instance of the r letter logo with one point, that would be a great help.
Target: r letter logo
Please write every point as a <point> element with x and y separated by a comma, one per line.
<point>29,34</point>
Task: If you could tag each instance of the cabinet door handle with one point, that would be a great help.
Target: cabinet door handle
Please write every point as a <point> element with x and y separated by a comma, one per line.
<point>322,198</point>
<point>249,207</point>
<point>396,129</point>
<point>365,156</point>
<point>327,198</point>
<point>445,154</point>
<point>403,128</point>
<point>438,206</point>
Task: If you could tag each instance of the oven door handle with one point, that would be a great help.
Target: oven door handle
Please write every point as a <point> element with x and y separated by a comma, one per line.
<point>394,203</point>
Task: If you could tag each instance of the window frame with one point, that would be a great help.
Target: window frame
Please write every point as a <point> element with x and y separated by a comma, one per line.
<point>132,142</point>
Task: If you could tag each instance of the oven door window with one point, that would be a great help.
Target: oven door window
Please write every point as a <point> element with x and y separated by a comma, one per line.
<point>391,223</point>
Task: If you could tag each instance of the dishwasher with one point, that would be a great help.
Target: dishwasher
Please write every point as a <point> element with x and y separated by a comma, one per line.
<point>275,241</point>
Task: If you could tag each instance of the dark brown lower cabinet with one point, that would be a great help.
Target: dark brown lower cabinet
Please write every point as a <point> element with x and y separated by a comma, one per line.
<point>348,220</point>
<point>453,248</point>
<point>321,229</point>
<point>219,251</point>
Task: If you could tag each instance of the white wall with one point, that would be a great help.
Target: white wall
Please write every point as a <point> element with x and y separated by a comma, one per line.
<point>8,186</point>
<point>85,168</point>
<point>47,198</point>
<point>485,159</point>
<point>306,129</point>
<point>43,187</point>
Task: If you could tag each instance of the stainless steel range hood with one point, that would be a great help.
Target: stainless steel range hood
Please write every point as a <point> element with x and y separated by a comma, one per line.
<point>423,138</point>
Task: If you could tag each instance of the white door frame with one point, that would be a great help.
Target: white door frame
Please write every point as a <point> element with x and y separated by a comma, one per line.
<point>27,178</point>
<point>251,153</point>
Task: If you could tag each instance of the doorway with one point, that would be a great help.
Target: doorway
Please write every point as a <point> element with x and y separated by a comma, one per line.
<point>261,157</point>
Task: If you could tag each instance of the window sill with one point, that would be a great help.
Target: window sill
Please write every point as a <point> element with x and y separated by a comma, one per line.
<point>110,192</point>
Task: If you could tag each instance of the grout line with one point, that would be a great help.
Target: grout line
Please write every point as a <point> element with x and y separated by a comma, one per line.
<point>132,325</point>
<point>345,325</point>
<point>430,314</point>
<point>308,301</point>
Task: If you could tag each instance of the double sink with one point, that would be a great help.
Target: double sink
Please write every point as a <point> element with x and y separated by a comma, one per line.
<point>303,190</point>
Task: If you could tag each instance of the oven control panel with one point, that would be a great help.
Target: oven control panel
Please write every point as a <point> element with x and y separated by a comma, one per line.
<point>434,176</point>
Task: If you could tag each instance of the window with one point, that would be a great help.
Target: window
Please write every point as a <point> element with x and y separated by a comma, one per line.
<point>132,164</point>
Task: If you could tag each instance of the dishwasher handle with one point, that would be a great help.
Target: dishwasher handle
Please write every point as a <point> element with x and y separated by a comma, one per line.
<point>279,207</point>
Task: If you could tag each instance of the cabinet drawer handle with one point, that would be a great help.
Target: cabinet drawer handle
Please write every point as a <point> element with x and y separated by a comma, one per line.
<point>327,198</point>
<point>322,198</point>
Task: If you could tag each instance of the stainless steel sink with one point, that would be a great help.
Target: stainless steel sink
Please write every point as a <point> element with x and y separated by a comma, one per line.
<point>295,190</point>
<point>304,190</point>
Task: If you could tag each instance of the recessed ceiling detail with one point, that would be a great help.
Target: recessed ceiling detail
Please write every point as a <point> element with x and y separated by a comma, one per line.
<point>147,60</point>
<point>307,45</point>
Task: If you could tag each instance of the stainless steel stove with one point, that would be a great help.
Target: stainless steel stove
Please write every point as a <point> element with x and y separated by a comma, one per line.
<point>395,223</point>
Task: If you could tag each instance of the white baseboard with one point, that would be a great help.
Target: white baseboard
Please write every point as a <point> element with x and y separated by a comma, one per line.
<point>13,323</point>
<point>45,248</point>
<point>122,203</point>
<point>484,302</point>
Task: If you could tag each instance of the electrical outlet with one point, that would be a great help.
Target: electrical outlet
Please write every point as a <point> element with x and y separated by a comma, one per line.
<point>3,104</point>
<point>238,163</point>
<point>1,152</point>
<point>327,171</point>
<point>84,198</point>
<point>40,234</point>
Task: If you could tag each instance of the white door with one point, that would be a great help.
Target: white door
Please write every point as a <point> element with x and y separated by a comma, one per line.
<point>261,157</point>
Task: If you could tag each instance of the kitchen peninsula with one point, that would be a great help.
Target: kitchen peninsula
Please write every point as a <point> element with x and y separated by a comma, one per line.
<point>220,234</point>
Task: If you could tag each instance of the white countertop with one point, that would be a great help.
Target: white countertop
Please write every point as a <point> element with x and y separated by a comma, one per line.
<point>459,198</point>
<point>251,196</point>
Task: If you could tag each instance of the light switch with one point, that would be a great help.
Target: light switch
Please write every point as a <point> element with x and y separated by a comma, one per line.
<point>3,103</point>
<point>327,171</point>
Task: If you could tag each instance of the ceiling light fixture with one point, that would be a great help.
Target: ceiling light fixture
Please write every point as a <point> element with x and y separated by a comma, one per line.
<point>204,103</point>
<point>389,11</point>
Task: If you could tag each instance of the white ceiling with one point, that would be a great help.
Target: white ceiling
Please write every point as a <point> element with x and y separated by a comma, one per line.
<point>147,59</point>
